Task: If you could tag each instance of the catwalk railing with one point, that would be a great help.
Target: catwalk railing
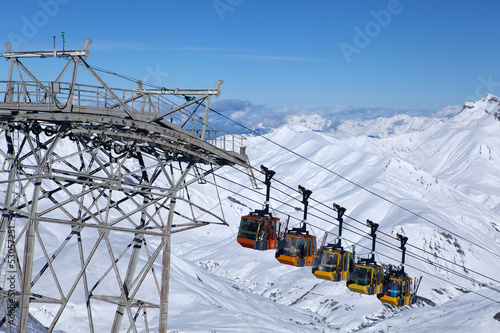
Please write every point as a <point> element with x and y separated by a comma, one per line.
<point>47,96</point>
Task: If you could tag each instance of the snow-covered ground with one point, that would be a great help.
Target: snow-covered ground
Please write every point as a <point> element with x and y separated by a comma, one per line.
<point>446,174</point>
<point>438,186</point>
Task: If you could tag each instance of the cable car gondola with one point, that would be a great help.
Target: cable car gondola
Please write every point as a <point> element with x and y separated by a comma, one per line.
<point>297,247</point>
<point>333,262</point>
<point>368,277</point>
<point>399,286</point>
<point>259,229</point>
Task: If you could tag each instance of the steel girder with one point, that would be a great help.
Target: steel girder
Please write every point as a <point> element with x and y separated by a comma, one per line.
<point>90,193</point>
<point>107,198</point>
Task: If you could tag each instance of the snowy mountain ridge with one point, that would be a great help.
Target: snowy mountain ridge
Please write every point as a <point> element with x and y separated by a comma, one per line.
<point>441,173</point>
<point>379,127</point>
<point>490,103</point>
<point>437,186</point>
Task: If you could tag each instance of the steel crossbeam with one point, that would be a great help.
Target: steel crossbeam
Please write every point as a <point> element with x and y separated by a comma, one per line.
<point>93,177</point>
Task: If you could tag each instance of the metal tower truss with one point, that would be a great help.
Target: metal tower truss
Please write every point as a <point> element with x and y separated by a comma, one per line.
<point>90,192</point>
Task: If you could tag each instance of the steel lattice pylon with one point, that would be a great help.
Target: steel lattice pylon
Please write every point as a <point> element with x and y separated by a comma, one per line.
<point>89,184</point>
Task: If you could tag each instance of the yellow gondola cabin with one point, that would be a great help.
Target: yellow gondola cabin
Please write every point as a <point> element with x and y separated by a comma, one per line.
<point>333,263</point>
<point>368,277</point>
<point>399,291</point>
<point>398,286</point>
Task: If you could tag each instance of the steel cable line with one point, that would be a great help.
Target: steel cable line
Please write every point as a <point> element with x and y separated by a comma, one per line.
<point>424,260</point>
<point>358,185</point>
<point>365,235</point>
<point>336,174</point>
<point>362,234</point>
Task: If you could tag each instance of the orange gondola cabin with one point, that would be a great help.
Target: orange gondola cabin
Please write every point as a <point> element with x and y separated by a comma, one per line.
<point>259,229</point>
<point>297,247</point>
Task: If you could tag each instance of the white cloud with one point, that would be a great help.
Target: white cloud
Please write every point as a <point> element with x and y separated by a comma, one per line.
<point>238,115</point>
<point>259,116</point>
<point>448,111</point>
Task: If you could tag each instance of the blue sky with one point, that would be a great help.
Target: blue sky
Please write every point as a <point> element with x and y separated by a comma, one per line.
<point>283,54</point>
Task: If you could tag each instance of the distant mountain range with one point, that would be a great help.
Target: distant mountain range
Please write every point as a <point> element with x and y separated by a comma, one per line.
<point>378,128</point>
<point>340,122</point>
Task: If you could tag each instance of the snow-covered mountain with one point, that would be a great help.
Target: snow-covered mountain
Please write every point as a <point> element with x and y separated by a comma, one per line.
<point>438,186</point>
<point>338,121</point>
<point>463,152</point>
<point>381,127</point>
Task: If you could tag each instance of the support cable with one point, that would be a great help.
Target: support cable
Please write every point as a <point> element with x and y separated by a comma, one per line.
<point>349,181</point>
<point>363,234</point>
<point>359,231</point>
<point>358,185</point>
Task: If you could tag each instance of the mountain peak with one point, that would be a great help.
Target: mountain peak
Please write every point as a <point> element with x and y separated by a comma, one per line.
<point>490,104</point>
<point>491,98</point>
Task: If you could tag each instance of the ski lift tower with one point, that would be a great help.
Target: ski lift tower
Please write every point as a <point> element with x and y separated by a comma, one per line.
<point>90,192</point>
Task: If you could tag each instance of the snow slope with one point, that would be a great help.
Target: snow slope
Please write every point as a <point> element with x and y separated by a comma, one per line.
<point>463,151</point>
<point>287,299</point>
<point>437,186</point>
